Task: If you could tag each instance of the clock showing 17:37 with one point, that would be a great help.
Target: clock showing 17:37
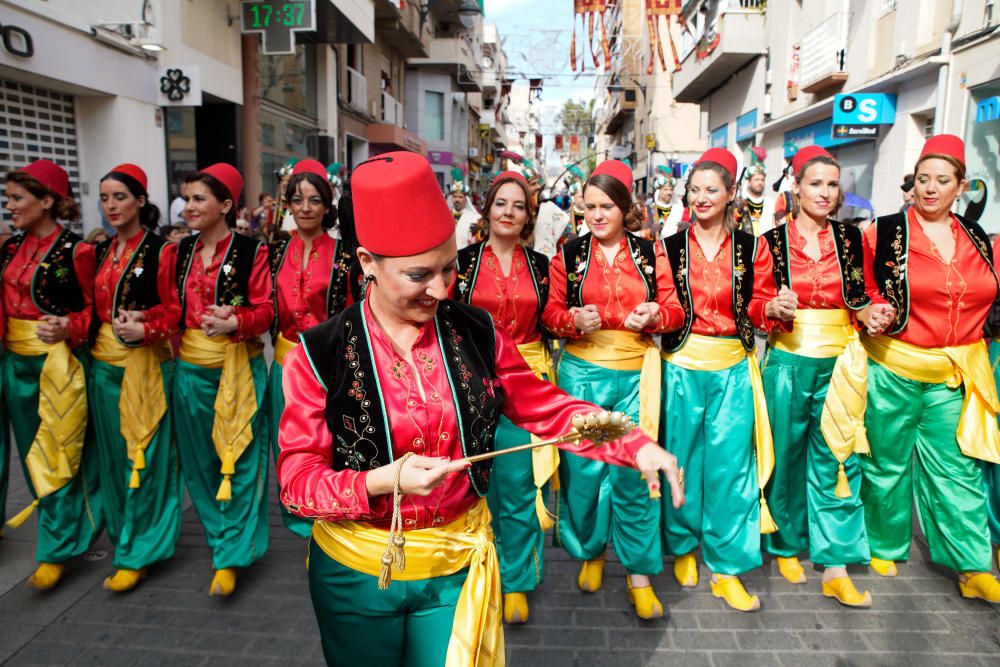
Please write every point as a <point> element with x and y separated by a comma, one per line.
<point>277,20</point>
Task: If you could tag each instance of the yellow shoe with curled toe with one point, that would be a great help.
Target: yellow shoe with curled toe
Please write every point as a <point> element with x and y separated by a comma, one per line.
<point>644,600</point>
<point>515,608</point>
<point>982,586</point>
<point>885,568</point>
<point>591,575</point>
<point>686,570</point>
<point>46,575</point>
<point>791,570</point>
<point>224,582</point>
<point>730,589</point>
<point>843,590</point>
<point>124,580</point>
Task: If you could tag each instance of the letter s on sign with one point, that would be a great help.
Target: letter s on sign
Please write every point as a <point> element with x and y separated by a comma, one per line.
<point>867,111</point>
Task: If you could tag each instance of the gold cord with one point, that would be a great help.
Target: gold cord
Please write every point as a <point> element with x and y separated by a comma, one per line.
<point>394,555</point>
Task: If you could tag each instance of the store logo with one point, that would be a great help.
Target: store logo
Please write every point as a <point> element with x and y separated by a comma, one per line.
<point>175,85</point>
<point>988,110</point>
<point>17,41</point>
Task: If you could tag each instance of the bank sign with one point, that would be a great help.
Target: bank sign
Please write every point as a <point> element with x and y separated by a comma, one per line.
<point>862,115</point>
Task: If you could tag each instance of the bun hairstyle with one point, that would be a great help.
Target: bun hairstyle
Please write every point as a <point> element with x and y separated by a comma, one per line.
<point>483,231</point>
<point>621,196</point>
<point>149,214</point>
<point>63,208</point>
<point>218,190</point>
<point>819,159</point>
<point>324,189</point>
<point>729,217</point>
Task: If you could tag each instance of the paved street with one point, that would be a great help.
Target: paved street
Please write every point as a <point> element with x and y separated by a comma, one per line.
<point>918,619</point>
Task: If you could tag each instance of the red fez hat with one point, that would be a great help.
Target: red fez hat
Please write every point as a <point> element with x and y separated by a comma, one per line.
<point>228,176</point>
<point>394,188</point>
<point>510,175</point>
<point>310,167</point>
<point>721,157</point>
<point>133,171</point>
<point>52,176</point>
<point>805,154</point>
<point>616,169</point>
<point>944,144</point>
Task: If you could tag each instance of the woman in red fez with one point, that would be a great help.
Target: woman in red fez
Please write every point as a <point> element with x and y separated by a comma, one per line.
<point>932,401</point>
<point>715,416</point>
<point>310,273</point>
<point>224,285</point>
<point>511,281</point>
<point>136,314</point>
<point>609,295</point>
<point>48,283</point>
<point>390,396</point>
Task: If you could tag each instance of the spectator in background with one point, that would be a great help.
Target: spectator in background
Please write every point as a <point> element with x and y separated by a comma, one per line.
<point>907,187</point>
<point>260,217</point>
<point>97,236</point>
<point>177,210</point>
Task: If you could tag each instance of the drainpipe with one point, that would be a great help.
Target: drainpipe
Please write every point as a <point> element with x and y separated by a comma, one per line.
<point>943,72</point>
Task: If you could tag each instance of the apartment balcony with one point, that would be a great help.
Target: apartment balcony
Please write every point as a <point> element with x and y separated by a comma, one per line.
<point>455,56</point>
<point>620,105</point>
<point>392,110</point>
<point>824,55</point>
<point>357,90</point>
<point>401,28</point>
<point>739,29</point>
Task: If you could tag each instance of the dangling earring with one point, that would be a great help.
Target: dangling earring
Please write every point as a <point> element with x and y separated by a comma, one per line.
<point>369,281</point>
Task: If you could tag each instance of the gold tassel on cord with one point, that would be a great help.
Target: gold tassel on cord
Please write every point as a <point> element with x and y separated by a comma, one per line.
<point>18,519</point>
<point>767,525</point>
<point>228,462</point>
<point>544,516</point>
<point>133,482</point>
<point>394,554</point>
<point>225,493</point>
<point>140,460</point>
<point>843,488</point>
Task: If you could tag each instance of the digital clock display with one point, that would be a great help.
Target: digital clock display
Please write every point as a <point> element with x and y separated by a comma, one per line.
<point>289,14</point>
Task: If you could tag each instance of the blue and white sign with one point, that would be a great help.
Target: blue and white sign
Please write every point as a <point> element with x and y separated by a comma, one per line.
<point>864,109</point>
<point>988,110</point>
<point>720,137</point>
<point>746,125</point>
<point>819,133</point>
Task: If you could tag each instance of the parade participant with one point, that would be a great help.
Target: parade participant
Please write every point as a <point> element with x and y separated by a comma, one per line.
<point>333,173</point>
<point>664,215</point>
<point>225,295</point>
<point>715,416</point>
<point>609,294</point>
<point>407,383</point>
<point>511,282</point>
<point>48,283</point>
<point>465,214</point>
<point>282,220</point>
<point>552,224</point>
<point>930,391</point>
<point>575,192</point>
<point>136,312</point>
<point>991,471</point>
<point>814,381</point>
<point>310,285</point>
<point>754,212</point>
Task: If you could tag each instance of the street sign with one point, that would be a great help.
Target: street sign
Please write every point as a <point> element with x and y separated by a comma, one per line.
<point>864,109</point>
<point>277,21</point>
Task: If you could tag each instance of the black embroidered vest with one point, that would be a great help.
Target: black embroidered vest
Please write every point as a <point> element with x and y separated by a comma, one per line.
<point>137,287</point>
<point>469,259</point>
<point>232,285</point>
<point>744,248</point>
<point>892,246</point>
<point>340,353</point>
<point>54,287</point>
<point>336,287</point>
<point>576,256</point>
<point>850,257</point>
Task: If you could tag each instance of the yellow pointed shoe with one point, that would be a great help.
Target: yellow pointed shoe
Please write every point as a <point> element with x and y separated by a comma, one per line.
<point>46,575</point>
<point>842,589</point>
<point>124,580</point>
<point>686,570</point>
<point>885,568</point>
<point>791,570</point>
<point>591,575</point>
<point>982,586</point>
<point>515,608</point>
<point>644,600</point>
<point>224,582</point>
<point>731,590</point>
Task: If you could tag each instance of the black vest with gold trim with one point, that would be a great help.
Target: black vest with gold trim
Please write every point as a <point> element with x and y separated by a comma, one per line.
<point>54,287</point>
<point>137,287</point>
<point>341,356</point>
<point>576,256</point>
<point>337,287</point>
<point>232,284</point>
<point>469,260</point>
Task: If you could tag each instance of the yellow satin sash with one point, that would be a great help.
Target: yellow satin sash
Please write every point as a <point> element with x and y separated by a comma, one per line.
<point>55,453</point>
<point>476,635</point>
<point>713,353</point>
<point>544,460</point>
<point>627,351</point>
<point>282,346</point>
<point>143,402</point>
<point>236,399</point>
<point>966,366</point>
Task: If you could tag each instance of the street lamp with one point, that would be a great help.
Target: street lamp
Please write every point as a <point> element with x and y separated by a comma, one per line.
<point>468,10</point>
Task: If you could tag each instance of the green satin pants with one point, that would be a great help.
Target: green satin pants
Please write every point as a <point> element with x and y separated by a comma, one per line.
<point>70,519</point>
<point>406,625</point>
<point>707,422</point>
<point>237,530</point>
<point>991,471</point>
<point>275,406</point>
<point>599,502</point>
<point>802,490</point>
<point>911,429</point>
<point>144,523</point>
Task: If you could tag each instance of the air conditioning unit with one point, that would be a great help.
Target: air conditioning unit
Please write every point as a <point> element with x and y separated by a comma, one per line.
<point>630,99</point>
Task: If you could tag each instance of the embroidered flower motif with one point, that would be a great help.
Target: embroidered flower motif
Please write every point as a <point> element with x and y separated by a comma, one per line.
<point>648,269</point>
<point>138,271</point>
<point>236,301</point>
<point>581,267</point>
<point>571,277</point>
<point>62,273</point>
<point>462,286</point>
<point>68,244</point>
<point>856,273</point>
<point>739,271</point>
<point>227,269</point>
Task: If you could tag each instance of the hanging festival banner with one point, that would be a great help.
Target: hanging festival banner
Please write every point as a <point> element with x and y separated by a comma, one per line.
<point>591,9</point>
<point>654,10</point>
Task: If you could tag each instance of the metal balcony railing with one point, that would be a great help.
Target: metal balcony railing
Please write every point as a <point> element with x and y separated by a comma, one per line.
<point>357,90</point>
<point>392,110</point>
<point>824,54</point>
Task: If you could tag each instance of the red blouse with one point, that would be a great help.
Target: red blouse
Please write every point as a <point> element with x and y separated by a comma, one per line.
<point>510,299</point>
<point>199,291</point>
<point>302,292</point>
<point>949,302</point>
<point>162,321</point>
<point>18,302</point>
<point>425,424</point>
<point>818,283</point>
<point>616,288</point>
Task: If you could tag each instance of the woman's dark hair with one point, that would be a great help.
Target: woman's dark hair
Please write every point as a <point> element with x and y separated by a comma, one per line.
<point>149,214</point>
<point>64,208</point>
<point>324,189</point>
<point>729,217</point>
<point>166,230</point>
<point>483,227</point>
<point>820,159</point>
<point>218,190</point>
<point>620,196</point>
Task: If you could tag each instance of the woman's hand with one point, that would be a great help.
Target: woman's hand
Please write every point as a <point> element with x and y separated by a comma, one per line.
<point>587,319</point>
<point>652,460</point>
<point>129,328</point>
<point>53,329</point>
<point>782,307</point>
<point>219,321</point>
<point>877,317</point>
<point>642,317</point>
<point>420,475</point>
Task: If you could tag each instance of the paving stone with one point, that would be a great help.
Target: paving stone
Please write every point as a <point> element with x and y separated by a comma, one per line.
<point>744,658</point>
<point>769,640</point>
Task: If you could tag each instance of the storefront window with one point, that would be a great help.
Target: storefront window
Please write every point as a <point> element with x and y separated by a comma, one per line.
<point>982,151</point>
<point>283,139</point>
<point>182,147</point>
<point>291,80</point>
<point>433,115</point>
